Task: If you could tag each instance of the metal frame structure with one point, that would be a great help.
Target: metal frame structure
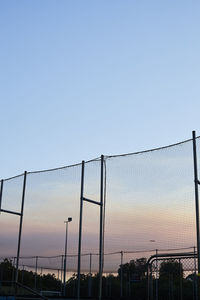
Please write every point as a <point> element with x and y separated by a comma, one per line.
<point>196,183</point>
<point>163,257</point>
<point>100,204</point>
<point>20,214</point>
<point>101,225</point>
<point>121,274</point>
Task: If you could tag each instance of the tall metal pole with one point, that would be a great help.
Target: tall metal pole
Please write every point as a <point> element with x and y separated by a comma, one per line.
<point>101,229</point>
<point>121,275</point>
<point>1,193</point>
<point>20,227</point>
<point>196,182</point>
<point>80,230</point>
<point>65,257</point>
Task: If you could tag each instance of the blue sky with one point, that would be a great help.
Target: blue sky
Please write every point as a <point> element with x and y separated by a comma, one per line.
<point>84,78</point>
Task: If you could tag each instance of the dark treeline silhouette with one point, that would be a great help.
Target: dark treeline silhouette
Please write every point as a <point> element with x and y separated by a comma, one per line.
<point>130,281</point>
<point>28,278</point>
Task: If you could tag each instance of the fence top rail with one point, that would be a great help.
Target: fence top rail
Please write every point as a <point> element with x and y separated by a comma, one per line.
<point>164,256</point>
<point>53,169</point>
<point>151,150</point>
<point>109,253</point>
<point>99,158</point>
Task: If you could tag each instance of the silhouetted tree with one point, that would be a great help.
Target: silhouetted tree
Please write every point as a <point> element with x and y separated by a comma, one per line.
<point>134,270</point>
<point>44,282</point>
<point>171,268</point>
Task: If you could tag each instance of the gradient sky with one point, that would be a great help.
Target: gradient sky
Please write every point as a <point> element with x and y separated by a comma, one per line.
<point>81,78</point>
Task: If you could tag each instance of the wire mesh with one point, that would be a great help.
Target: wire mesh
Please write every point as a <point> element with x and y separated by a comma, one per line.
<point>9,224</point>
<point>149,208</point>
<point>51,197</point>
<point>150,200</point>
<point>173,278</point>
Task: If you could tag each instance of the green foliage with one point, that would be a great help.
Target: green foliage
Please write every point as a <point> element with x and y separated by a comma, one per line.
<point>134,270</point>
<point>6,269</point>
<point>134,281</point>
<point>29,278</point>
<point>171,268</point>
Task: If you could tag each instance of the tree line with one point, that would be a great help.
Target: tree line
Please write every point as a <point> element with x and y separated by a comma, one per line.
<point>130,281</point>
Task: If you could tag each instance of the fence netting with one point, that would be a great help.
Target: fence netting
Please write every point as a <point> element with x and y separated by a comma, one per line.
<point>150,201</point>
<point>9,224</point>
<point>149,205</point>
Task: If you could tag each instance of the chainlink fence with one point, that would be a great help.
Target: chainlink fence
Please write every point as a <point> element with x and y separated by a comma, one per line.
<point>173,277</point>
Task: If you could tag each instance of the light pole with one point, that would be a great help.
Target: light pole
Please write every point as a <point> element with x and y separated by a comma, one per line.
<point>65,257</point>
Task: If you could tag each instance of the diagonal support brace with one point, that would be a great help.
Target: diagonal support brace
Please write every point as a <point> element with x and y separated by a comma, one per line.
<point>92,201</point>
<point>10,212</point>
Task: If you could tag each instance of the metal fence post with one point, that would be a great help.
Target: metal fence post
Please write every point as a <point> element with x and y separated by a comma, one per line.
<point>65,258</point>
<point>36,267</point>
<point>23,274</point>
<point>181,284</point>
<point>13,270</point>
<point>156,274</point>
<point>80,230</point>
<point>101,227</point>
<point>90,277</point>
<point>41,271</point>
<point>58,277</point>
<point>90,264</point>
<point>20,227</point>
<point>148,282</point>
<point>196,182</point>
<point>61,275</point>
<point>151,281</point>
<point>1,193</point>
<point>121,275</point>
<point>195,277</point>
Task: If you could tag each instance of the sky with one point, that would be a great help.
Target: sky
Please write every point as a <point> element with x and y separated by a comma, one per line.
<point>83,78</point>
